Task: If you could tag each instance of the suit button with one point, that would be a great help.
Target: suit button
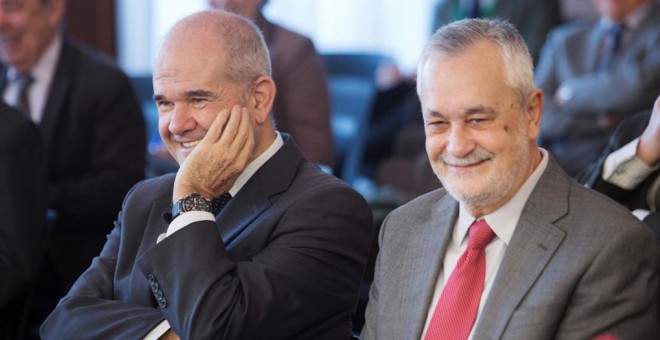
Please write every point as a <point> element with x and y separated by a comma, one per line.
<point>162,303</point>
<point>151,278</point>
<point>159,295</point>
<point>155,287</point>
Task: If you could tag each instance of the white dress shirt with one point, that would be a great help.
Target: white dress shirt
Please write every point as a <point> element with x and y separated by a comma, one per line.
<point>503,223</point>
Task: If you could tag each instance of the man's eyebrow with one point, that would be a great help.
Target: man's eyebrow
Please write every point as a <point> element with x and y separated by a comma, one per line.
<point>187,94</point>
<point>479,109</point>
<point>433,113</point>
<point>199,93</point>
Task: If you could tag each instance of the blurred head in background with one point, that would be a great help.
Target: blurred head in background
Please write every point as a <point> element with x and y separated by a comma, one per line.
<point>27,27</point>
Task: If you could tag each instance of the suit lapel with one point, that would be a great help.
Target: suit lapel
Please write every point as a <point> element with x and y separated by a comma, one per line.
<point>427,248</point>
<point>58,94</point>
<point>255,197</point>
<point>533,244</point>
<point>3,78</point>
<point>647,25</point>
<point>592,50</point>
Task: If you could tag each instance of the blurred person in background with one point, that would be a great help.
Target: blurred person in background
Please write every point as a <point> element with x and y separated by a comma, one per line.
<point>629,170</point>
<point>302,106</point>
<point>532,18</point>
<point>92,127</point>
<point>23,211</point>
<point>594,73</point>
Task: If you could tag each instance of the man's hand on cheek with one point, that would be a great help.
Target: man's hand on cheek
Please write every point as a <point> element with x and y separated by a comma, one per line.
<point>215,163</point>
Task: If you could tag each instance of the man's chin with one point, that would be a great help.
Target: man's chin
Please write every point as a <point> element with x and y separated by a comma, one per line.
<point>469,196</point>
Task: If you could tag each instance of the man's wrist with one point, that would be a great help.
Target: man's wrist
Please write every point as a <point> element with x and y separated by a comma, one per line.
<point>191,202</point>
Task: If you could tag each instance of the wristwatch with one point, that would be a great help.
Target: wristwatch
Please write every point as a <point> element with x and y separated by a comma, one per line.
<point>192,202</point>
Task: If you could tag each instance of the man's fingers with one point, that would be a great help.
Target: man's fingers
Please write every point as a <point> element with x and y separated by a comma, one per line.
<point>217,127</point>
<point>233,122</point>
<point>243,144</point>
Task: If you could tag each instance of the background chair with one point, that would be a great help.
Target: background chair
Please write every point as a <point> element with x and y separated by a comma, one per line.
<point>351,80</point>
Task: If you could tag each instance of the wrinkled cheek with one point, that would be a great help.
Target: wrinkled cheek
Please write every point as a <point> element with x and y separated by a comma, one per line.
<point>433,152</point>
<point>434,148</point>
<point>164,125</point>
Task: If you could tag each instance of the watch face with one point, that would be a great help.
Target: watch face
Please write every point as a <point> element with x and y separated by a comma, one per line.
<point>196,203</point>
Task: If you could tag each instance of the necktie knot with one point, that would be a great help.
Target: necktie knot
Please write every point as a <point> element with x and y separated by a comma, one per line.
<point>615,30</point>
<point>480,235</point>
<point>23,79</point>
<point>611,46</point>
<point>614,36</point>
<point>23,82</point>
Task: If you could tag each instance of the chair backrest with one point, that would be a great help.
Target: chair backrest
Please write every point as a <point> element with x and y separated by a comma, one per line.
<point>351,80</point>
<point>143,86</point>
<point>354,64</point>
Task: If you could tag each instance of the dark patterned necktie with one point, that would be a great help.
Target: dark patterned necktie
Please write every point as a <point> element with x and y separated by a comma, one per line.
<point>474,11</point>
<point>612,44</point>
<point>22,102</point>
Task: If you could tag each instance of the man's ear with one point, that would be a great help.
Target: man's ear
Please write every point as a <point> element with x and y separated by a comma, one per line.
<point>262,97</point>
<point>533,110</point>
<point>56,10</point>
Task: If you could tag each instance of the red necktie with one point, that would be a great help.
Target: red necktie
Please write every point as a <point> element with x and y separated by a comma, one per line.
<point>457,308</point>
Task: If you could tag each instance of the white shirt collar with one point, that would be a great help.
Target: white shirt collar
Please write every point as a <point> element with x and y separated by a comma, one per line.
<point>251,168</point>
<point>45,68</point>
<point>503,221</point>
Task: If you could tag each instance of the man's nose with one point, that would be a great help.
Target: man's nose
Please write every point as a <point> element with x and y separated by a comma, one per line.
<point>460,142</point>
<point>181,120</point>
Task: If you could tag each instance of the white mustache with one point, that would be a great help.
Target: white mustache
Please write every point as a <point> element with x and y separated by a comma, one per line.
<point>473,157</point>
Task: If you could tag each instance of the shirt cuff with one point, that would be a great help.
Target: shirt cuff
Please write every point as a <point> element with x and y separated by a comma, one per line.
<point>623,169</point>
<point>641,214</point>
<point>184,220</point>
<point>157,332</point>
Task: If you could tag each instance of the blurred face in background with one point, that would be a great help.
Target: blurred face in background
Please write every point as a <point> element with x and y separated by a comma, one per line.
<point>27,27</point>
<point>617,10</point>
<point>247,8</point>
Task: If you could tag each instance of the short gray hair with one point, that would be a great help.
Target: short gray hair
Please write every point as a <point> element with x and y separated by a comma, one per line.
<point>247,53</point>
<point>245,50</point>
<point>455,38</point>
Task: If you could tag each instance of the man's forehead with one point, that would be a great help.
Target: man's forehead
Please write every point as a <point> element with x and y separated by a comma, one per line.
<point>4,2</point>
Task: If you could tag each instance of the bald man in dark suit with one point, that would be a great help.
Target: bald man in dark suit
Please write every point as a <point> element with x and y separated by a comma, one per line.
<point>283,259</point>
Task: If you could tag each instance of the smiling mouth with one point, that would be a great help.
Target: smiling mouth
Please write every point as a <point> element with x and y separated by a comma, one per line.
<point>465,165</point>
<point>192,144</point>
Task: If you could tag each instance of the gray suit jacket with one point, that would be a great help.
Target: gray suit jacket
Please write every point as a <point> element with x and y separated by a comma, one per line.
<point>578,265</point>
<point>283,260</point>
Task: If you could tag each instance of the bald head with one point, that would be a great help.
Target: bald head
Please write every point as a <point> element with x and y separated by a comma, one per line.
<point>222,38</point>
